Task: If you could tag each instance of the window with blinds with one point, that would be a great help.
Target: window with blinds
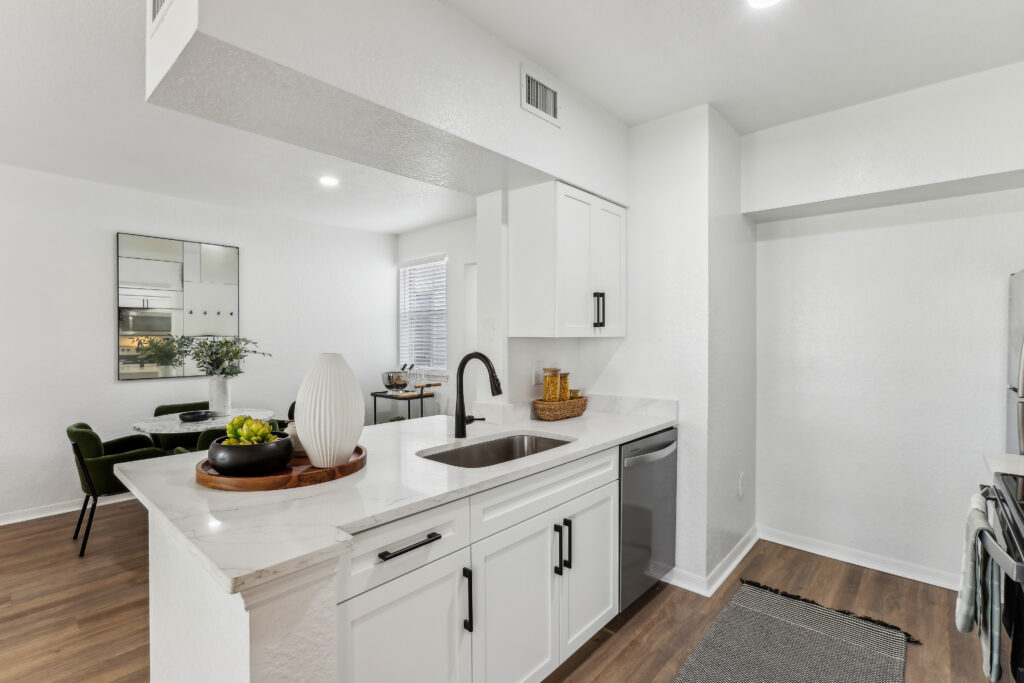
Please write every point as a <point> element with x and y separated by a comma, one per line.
<point>423,315</point>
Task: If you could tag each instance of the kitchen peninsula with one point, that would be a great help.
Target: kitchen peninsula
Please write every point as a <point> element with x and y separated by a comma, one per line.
<point>274,585</point>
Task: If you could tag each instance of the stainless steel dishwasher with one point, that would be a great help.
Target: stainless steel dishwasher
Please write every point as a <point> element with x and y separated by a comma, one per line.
<point>647,513</point>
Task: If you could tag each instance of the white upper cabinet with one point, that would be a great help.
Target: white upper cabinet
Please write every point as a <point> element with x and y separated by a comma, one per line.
<point>567,263</point>
<point>218,264</point>
<point>137,273</point>
<point>191,262</point>
<point>149,248</point>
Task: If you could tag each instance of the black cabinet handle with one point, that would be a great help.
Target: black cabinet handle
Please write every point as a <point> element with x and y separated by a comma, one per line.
<point>389,555</point>
<point>603,308</point>
<point>567,563</point>
<point>561,560</point>
<point>597,309</point>
<point>468,623</point>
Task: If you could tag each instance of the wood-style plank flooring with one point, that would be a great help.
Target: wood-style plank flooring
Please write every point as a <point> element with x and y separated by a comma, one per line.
<point>63,618</point>
<point>66,618</point>
<point>652,639</point>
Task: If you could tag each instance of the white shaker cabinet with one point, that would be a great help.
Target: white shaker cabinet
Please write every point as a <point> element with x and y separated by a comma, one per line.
<point>410,629</point>
<point>544,587</point>
<point>515,635</point>
<point>590,585</point>
<point>521,594</point>
<point>567,263</point>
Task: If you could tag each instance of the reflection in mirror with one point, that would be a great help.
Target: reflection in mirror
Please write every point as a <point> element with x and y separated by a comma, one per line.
<point>167,289</point>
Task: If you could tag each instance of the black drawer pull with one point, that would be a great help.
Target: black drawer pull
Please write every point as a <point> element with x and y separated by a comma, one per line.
<point>468,623</point>
<point>388,554</point>
<point>567,563</point>
<point>561,558</point>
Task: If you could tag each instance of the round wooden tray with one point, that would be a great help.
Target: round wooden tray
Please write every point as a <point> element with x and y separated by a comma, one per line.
<point>298,473</point>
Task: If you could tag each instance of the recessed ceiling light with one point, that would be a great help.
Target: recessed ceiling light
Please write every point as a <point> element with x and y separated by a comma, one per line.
<point>328,181</point>
<point>761,4</point>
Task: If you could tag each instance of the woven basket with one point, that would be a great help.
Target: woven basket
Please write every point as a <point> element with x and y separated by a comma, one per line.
<point>560,410</point>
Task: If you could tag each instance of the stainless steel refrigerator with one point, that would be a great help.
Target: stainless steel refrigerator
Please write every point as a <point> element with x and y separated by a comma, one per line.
<point>1015,379</point>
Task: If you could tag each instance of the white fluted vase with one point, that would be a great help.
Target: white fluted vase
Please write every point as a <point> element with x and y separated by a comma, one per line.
<point>329,411</point>
<point>220,395</point>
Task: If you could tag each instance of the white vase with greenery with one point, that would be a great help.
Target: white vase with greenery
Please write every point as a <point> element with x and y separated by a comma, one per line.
<point>221,359</point>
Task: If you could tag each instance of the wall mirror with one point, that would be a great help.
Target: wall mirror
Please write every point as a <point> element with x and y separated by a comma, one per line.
<point>166,289</point>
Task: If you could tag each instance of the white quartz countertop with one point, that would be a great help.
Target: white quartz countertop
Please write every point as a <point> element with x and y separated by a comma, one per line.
<point>248,538</point>
<point>1005,462</point>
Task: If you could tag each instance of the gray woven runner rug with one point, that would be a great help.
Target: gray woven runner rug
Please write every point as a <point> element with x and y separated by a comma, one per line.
<point>767,636</point>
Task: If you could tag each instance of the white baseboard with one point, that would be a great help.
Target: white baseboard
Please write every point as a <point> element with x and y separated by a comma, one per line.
<point>708,585</point>
<point>688,581</point>
<point>907,570</point>
<point>729,563</point>
<point>57,509</point>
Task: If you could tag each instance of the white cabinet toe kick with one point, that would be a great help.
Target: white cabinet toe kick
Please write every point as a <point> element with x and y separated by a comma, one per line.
<point>502,586</point>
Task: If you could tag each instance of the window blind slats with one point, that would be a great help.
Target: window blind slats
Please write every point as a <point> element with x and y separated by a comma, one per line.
<point>423,315</point>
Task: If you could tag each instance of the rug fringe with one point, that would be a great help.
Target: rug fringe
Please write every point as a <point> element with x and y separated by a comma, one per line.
<point>911,640</point>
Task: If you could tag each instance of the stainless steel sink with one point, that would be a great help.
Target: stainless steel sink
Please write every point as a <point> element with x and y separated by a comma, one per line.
<point>496,451</point>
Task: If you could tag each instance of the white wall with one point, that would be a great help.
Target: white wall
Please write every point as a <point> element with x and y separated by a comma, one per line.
<point>732,341</point>
<point>881,376</point>
<point>304,289</point>
<point>962,128</point>
<point>457,241</point>
<point>491,303</point>
<point>665,354</point>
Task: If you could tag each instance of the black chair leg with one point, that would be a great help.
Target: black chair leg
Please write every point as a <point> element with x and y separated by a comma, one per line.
<point>88,527</point>
<point>81,516</point>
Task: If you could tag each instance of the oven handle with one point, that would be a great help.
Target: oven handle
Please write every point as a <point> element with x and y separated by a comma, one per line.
<point>1010,566</point>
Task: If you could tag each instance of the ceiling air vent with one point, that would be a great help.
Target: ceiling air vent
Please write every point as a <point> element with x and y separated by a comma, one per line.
<point>539,98</point>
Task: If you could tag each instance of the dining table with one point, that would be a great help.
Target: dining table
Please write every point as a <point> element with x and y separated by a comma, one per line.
<point>172,424</point>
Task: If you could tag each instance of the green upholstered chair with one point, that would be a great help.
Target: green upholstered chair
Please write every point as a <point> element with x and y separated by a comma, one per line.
<point>95,460</point>
<point>172,408</point>
<point>172,442</point>
<point>206,437</point>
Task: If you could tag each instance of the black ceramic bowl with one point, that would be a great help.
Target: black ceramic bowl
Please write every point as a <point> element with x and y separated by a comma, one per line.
<point>251,461</point>
<point>195,415</point>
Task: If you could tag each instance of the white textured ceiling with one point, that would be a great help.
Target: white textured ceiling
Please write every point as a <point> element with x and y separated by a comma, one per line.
<point>72,78</point>
<point>642,59</point>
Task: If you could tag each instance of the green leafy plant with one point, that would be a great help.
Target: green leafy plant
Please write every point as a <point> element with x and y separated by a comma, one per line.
<point>245,431</point>
<point>169,351</point>
<point>223,356</point>
<point>397,418</point>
